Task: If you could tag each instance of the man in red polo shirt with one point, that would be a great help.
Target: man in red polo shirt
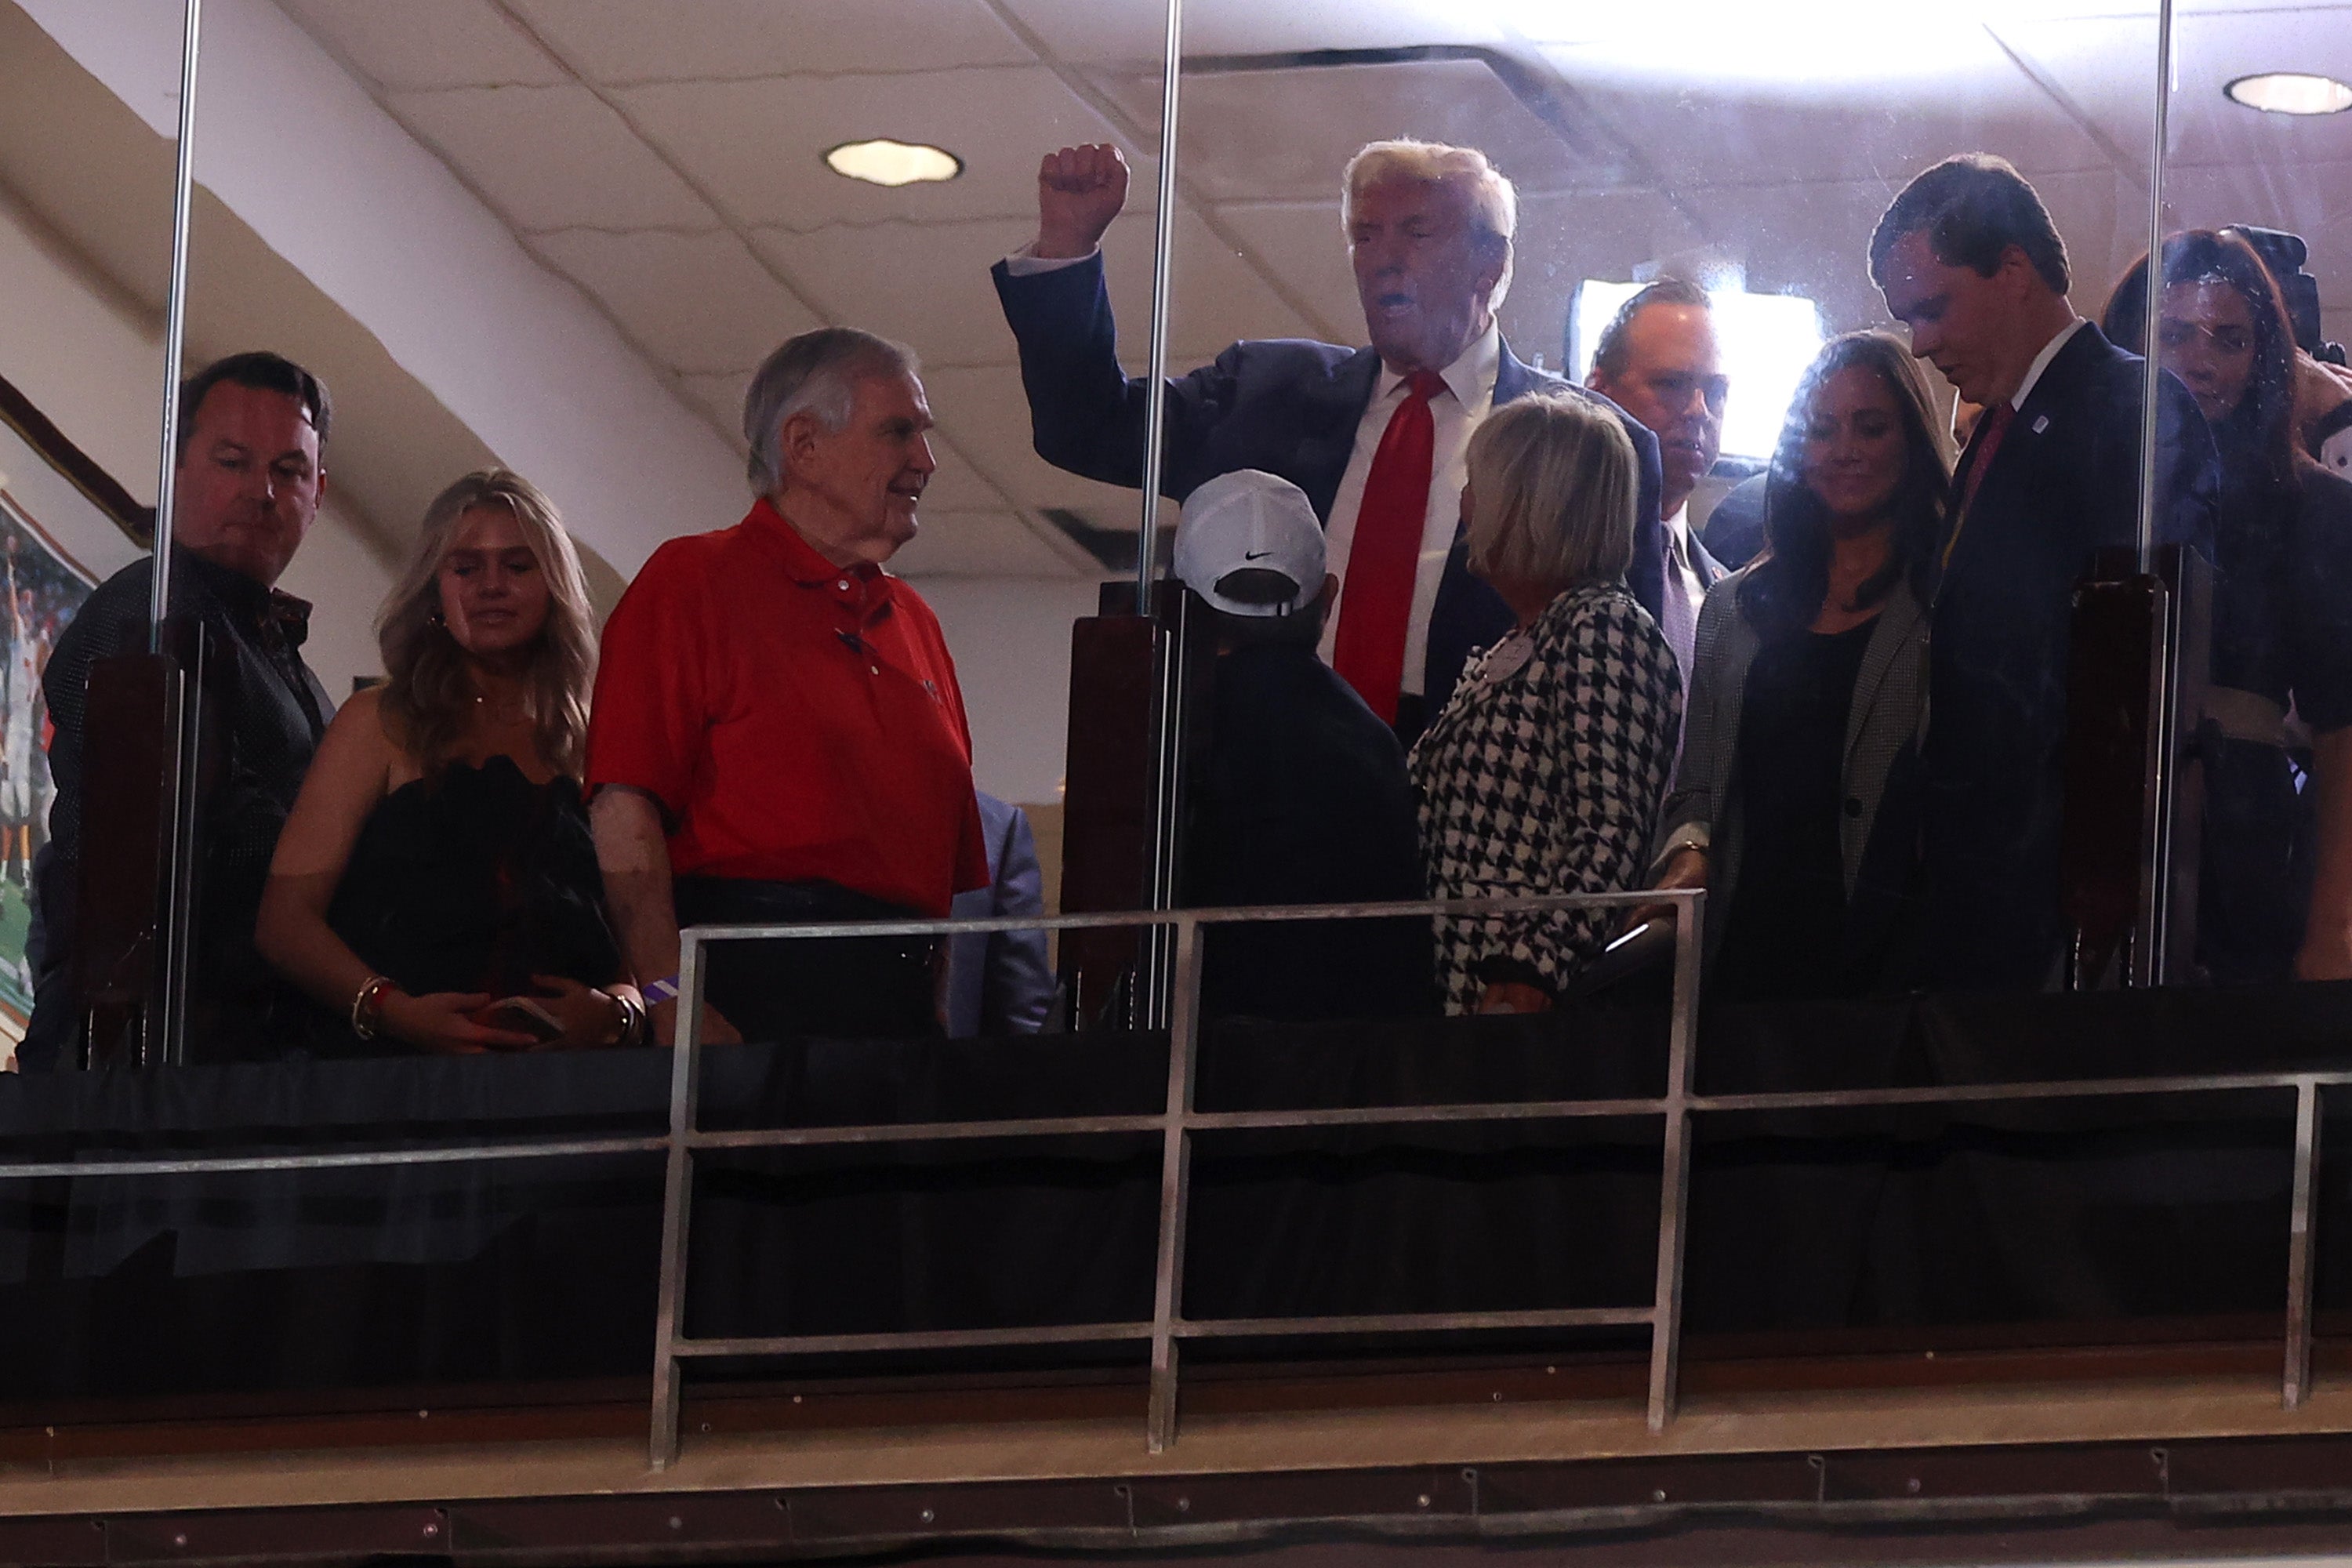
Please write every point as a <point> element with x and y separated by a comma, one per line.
<point>777,736</point>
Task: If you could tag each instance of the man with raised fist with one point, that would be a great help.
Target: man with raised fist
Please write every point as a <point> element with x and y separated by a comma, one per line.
<point>1375,436</point>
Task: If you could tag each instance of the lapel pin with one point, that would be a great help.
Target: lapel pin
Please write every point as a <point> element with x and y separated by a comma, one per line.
<point>2042,424</point>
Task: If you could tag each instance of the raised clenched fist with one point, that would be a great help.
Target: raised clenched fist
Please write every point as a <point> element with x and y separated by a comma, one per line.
<point>1079,191</point>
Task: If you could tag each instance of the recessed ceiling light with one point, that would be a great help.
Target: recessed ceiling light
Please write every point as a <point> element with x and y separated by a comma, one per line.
<point>888,163</point>
<point>2291,92</point>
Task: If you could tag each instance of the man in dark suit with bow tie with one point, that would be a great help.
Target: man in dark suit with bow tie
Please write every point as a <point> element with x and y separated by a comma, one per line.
<point>1374,435</point>
<point>250,474</point>
<point>1970,261</point>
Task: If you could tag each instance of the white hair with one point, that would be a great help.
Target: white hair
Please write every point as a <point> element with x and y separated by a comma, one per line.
<point>818,372</point>
<point>1493,200</point>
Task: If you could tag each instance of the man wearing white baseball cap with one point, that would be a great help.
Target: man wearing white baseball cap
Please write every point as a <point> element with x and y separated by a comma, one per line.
<point>1302,797</point>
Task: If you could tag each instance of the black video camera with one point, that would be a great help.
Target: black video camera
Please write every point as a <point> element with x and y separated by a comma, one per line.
<point>2285,255</point>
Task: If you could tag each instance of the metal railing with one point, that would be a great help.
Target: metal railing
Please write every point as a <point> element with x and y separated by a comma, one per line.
<point>1176,1125</point>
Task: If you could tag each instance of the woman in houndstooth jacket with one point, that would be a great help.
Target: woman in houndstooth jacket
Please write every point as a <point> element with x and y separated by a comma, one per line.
<point>1543,772</point>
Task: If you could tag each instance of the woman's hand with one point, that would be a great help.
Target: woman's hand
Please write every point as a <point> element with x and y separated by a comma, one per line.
<point>438,1023</point>
<point>1687,868</point>
<point>1514,996</point>
<point>2319,389</point>
<point>590,1018</point>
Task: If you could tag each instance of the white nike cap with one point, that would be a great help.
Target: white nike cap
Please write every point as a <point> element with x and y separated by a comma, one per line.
<point>1249,544</point>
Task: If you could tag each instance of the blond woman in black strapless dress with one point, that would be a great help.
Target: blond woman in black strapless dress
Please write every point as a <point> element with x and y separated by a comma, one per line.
<point>435,888</point>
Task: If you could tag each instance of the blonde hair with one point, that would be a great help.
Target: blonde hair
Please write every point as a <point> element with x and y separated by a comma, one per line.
<point>1493,200</point>
<point>428,693</point>
<point>1552,481</point>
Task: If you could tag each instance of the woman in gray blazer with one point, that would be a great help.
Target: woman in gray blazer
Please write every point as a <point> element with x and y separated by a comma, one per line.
<point>1792,807</point>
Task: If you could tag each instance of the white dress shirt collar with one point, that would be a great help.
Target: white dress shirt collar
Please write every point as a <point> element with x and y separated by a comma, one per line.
<point>1471,376</point>
<point>2042,361</point>
<point>1678,535</point>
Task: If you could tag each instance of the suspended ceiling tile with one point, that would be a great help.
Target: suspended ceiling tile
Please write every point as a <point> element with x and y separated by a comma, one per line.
<point>2107,67</point>
<point>620,42</point>
<point>928,285</point>
<point>1253,26</point>
<point>2305,198</point>
<point>1565,239</point>
<point>1820,52</point>
<point>692,302</point>
<point>1298,242</point>
<point>551,157</point>
<point>1813,238</point>
<point>1216,295</point>
<point>1286,135</point>
<point>425,44</point>
<point>976,544</point>
<point>985,410</point>
<point>924,284</point>
<point>719,396</point>
<point>2211,51</point>
<point>1123,32</point>
<point>955,485</point>
<point>759,146</point>
<point>1692,141</point>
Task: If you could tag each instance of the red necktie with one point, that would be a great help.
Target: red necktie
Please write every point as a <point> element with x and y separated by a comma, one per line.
<point>1376,602</point>
<point>1996,425</point>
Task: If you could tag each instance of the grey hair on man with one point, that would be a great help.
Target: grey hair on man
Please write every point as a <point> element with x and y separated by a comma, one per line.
<point>815,373</point>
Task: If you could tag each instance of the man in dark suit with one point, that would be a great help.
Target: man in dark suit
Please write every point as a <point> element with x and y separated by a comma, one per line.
<point>1658,359</point>
<point>1374,435</point>
<point>1970,261</point>
<point>1301,795</point>
<point>999,983</point>
<point>250,458</point>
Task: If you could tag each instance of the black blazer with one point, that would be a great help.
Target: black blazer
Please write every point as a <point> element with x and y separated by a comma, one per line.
<point>1286,406</point>
<point>2064,482</point>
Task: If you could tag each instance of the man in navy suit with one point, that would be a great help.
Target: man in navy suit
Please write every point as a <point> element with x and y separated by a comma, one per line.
<point>999,983</point>
<point>1660,363</point>
<point>1429,231</point>
<point>1970,261</point>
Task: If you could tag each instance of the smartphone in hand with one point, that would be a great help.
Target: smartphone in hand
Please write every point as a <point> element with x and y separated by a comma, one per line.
<point>523,1016</point>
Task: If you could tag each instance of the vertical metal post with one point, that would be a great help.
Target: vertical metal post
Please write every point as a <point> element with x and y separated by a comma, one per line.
<point>175,322</point>
<point>1155,403</point>
<point>1674,1188</point>
<point>2297,1386</point>
<point>2151,373</point>
<point>1175,1187</point>
<point>678,1195</point>
<point>2143,963</point>
<point>1154,972</point>
<point>166,1032</point>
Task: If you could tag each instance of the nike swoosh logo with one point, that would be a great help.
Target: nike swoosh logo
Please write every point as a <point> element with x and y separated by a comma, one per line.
<point>1255,554</point>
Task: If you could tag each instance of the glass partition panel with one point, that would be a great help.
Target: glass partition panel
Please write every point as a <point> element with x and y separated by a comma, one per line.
<point>86,153</point>
<point>1742,158</point>
<point>2251,311</point>
<point>559,238</point>
<point>547,245</point>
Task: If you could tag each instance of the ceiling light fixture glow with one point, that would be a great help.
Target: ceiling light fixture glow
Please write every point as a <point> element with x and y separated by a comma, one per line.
<point>887,162</point>
<point>2291,92</point>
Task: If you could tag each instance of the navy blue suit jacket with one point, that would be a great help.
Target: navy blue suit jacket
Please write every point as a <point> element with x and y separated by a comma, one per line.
<point>1288,406</point>
<point>2064,482</point>
<point>999,983</point>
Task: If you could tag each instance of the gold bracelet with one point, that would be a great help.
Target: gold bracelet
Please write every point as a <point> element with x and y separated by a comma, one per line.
<point>367,1007</point>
